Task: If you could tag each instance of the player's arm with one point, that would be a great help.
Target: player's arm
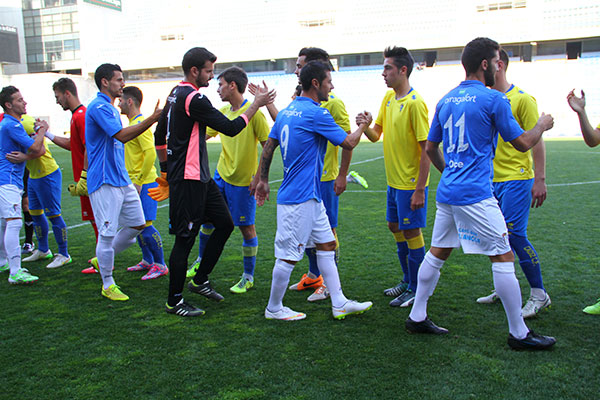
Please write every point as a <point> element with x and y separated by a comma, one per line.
<point>539,190</point>
<point>273,111</point>
<point>373,134</point>
<point>256,177</point>
<point>132,131</point>
<point>60,141</point>
<point>37,149</point>
<point>432,149</point>
<point>418,198</point>
<point>529,138</point>
<point>339,186</point>
<point>160,143</point>
<point>148,158</point>
<point>262,188</point>
<point>591,136</point>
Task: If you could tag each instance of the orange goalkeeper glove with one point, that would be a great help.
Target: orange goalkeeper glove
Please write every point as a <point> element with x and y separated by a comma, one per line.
<point>161,192</point>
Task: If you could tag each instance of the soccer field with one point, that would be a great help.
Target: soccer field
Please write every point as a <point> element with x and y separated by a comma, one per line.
<point>60,339</point>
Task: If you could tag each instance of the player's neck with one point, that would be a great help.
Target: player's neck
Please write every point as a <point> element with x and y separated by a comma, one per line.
<point>132,113</point>
<point>74,105</point>
<point>476,77</point>
<point>13,114</point>
<point>402,89</point>
<point>236,102</point>
<point>311,94</point>
<point>501,85</point>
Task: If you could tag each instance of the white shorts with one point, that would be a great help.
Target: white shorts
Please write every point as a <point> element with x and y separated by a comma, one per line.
<point>10,201</point>
<point>116,207</point>
<point>300,226</point>
<point>479,228</point>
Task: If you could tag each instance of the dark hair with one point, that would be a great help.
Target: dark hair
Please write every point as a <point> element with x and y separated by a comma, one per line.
<point>65,84</point>
<point>313,70</point>
<point>6,95</point>
<point>134,93</point>
<point>105,71</point>
<point>314,54</point>
<point>400,57</point>
<point>196,57</point>
<point>237,75</point>
<point>476,51</point>
<point>504,58</point>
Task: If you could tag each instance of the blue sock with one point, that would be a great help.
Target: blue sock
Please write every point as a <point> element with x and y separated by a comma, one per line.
<point>249,249</point>
<point>146,253</point>
<point>528,258</point>
<point>40,226</point>
<point>154,242</point>
<point>311,253</point>
<point>205,232</point>
<point>416,253</point>
<point>60,234</point>
<point>402,254</point>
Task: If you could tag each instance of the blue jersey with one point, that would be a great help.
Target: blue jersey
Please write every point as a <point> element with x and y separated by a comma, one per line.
<point>468,120</point>
<point>303,129</point>
<point>12,138</point>
<point>106,155</point>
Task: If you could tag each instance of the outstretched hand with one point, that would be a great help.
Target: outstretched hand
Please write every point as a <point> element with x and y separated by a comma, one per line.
<point>577,104</point>
<point>263,95</point>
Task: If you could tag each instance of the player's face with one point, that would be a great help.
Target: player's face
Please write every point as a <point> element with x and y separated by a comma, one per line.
<point>489,74</point>
<point>18,104</point>
<point>300,62</point>
<point>326,87</point>
<point>391,74</point>
<point>205,74</point>
<point>116,84</point>
<point>61,99</point>
<point>124,105</point>
<point>224,90</point>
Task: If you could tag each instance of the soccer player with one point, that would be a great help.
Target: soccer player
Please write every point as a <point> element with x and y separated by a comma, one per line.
<point>517,186</point>
<point>114,199</point>
<point>591,137</point>
<point>403,120</point>
<point>44,192</point>
<point>195,198</point>
<point>468,120</point>
<point>235,172</point>
<point>65,93</point>
<point>14,141</point>
<point>333,180</point>
<point>139,161</point>
<point>302,130</point>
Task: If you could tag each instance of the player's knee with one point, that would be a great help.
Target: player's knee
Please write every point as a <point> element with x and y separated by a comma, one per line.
<point>139,227</point>
<point>330,246</point>
<point>393,227</point>
<point>503,267</point>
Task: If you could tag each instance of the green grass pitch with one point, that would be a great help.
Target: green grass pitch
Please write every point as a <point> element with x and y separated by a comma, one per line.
<point>60,339</point>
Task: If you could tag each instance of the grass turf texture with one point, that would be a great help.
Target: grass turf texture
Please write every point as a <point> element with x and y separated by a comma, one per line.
<point>62,339</point>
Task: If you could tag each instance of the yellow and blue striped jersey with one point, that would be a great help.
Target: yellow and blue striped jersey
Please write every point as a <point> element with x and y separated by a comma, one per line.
<point>404,123</point>
<point>140,156</point>
<point>238,160</point>
<point>509,163</point>
<point>337,109</point>
<point>41,166</point>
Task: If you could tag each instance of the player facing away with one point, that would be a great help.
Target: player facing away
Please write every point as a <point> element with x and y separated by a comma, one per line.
<point>44,191</point>
<point>333,180</point>
<point>65,93</point>
<point>195,198</point>
<point>139,161</point>
<point>302,131</point>
<point>235,172</point>
<point>467,120</point>
<point>517,186</point>
<point>403,120</point>
<point>115,201</point>
<point>591,137</point>
<point>14,143</point>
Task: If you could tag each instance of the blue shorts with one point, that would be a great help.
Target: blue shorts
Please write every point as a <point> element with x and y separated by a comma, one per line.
<point>45,193</point>
<point>242,205</point>
<point>514,198</point>
<point>330,201</point>
<point>149,205</point>
<point>398,209</point>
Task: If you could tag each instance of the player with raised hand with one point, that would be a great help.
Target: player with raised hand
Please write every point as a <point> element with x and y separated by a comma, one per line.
<point>591,137</point>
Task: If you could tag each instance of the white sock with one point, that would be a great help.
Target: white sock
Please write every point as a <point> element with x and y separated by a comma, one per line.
<point>11,244</point>
<point>281,277</point>
<point>106,258</point>
<point>125,238</point>
<point>3,255</point>
<point>538,293</point>
<point>429,274</point>
<point>329,271</point>
<point>507,288</point>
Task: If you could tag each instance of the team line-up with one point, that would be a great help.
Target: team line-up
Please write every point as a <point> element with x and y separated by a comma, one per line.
<point>492,162</point>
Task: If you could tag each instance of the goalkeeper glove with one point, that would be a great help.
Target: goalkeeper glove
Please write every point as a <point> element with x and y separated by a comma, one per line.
<point>79,189</point>
<point>161,192</point>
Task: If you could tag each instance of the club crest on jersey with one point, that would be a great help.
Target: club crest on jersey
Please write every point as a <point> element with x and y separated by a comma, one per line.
<point>401,106</point>
<point>406,221</point>
<point>388,103</point>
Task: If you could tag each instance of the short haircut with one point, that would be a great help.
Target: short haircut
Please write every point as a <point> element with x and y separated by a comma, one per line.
<point>504,58</point>
<point>6,95</point>
<point>314,54</point>
<point>196,57</point>
<point>237,75</point>
<point>400,58</point>
<point>105,71</point>
<point>313,70</point>
<point>134,93</point>
<point>476,51</point>
<point>65,84</point>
